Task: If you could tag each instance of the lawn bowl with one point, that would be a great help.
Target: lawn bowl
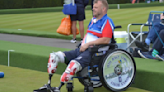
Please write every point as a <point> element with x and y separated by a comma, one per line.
<point>1,74</point>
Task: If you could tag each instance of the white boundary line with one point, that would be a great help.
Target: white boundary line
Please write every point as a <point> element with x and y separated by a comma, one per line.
<point>9,57</point>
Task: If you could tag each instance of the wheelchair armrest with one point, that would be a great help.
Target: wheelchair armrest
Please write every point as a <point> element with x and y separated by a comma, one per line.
<point>141,24</point>
<point>147,24</point>
<point>137,23</point>
<point>96,48</point>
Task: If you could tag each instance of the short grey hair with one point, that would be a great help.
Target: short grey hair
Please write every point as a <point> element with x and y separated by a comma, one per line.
<point>104,2</point>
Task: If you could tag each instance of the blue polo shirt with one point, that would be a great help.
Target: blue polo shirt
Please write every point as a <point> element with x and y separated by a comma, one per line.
<point>104,27</point>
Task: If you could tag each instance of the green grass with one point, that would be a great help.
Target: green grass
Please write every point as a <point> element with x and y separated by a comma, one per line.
<point>29,48</point>
<point>149,65</point>
<point>46,24</point>
<point>25,80</point>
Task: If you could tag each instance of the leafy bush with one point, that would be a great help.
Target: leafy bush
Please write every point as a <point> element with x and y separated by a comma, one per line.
<point>18,4</point>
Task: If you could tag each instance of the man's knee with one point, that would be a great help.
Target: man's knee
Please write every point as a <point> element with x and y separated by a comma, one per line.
<point>71,69</point>
<point>54,58</point>
<point>57,56</point>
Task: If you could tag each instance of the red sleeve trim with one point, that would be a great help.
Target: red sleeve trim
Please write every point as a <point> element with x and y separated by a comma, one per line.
<point>107,30</point>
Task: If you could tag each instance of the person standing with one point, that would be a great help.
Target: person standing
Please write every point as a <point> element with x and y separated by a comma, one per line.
<point>92,4</point>
<point>80,17</point>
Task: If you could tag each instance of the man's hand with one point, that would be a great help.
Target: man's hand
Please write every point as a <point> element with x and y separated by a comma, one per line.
<point>103,40</point>
<point>84,47</point>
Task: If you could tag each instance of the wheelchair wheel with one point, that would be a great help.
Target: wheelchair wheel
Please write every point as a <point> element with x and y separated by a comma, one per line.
<point>84,73</point>
<point>117,70</point>
<point>69,87</point>
<point>88,89</point>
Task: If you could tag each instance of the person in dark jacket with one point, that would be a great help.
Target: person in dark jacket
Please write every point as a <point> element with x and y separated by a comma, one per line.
<point>80,16</point>
<point>151,37</point>
<point>157,52</point>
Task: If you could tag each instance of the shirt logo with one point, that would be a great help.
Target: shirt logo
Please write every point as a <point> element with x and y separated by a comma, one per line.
<point>99,26</point>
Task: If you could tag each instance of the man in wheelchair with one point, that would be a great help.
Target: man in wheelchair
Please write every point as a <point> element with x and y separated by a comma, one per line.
<point>100,32</point>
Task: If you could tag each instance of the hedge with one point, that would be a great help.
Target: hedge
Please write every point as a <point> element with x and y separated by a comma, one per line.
<point>19,4</point>
<point>59,9</point>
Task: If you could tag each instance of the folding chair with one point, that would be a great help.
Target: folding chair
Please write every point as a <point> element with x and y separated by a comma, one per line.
<point>154,16</point>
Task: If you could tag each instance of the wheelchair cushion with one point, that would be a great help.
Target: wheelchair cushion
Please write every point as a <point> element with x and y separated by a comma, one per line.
<point>102,47</point>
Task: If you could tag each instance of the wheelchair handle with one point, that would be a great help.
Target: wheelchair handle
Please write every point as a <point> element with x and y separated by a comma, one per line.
<point>117,27</point>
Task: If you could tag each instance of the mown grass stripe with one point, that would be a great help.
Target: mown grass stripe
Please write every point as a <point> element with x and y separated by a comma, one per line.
<point>11,16</point>
<point>29,18</point>
<point>50,21</point>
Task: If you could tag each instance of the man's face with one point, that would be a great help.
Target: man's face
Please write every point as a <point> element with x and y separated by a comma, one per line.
<point>97,9</point>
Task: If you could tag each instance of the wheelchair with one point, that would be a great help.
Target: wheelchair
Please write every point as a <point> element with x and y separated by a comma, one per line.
<point>113,68</point>
<point>110,67</point>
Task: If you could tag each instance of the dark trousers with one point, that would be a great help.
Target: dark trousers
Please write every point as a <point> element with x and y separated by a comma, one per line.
<point>152,34</point>
<point>158,44</point>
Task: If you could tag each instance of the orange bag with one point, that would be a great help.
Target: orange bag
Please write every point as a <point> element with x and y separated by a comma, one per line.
<point>65,27</point>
